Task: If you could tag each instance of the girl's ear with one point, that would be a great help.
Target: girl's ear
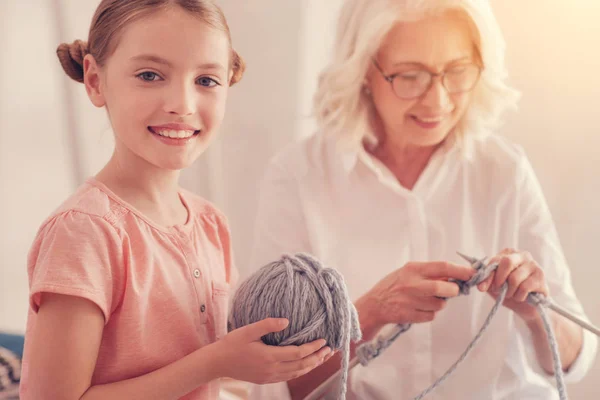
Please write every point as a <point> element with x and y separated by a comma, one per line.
<point>91,79</point>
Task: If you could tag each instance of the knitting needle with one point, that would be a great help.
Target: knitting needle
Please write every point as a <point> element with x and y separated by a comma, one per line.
<point>550,304</point>
<point>470,260</point>
<point>578,321</point>
<point>386,334</point>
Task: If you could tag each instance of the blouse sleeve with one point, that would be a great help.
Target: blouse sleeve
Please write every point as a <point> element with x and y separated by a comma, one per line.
<point>80,255</point>
<point>538,235</point>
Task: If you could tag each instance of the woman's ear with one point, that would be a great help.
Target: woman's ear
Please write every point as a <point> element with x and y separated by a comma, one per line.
<point>92,81</point>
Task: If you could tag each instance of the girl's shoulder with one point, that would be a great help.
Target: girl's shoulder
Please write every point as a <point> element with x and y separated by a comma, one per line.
<point>88,205</point>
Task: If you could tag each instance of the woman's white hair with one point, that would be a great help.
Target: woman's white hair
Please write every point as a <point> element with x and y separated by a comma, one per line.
<point>342,107</point>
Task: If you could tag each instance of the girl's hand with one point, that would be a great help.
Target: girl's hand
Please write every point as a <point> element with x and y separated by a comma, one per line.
<point>242,355</point>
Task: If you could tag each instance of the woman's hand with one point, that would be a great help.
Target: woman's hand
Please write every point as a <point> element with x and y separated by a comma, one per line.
<point>523,275</point>
<point>414,293</point>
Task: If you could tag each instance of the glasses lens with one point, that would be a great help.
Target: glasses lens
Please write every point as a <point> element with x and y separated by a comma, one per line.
<point>458,79</point>
<point>411,84</point>
<point>461,78</point>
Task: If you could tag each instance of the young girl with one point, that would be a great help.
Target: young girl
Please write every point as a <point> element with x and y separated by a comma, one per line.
<point>130,277</point>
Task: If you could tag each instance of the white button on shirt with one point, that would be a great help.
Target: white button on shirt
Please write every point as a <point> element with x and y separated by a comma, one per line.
<point>349,211</point>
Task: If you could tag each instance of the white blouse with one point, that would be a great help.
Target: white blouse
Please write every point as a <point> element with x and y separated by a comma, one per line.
<point>348,210</point>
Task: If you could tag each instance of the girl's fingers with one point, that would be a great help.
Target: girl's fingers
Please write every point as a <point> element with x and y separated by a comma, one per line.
<point>294,353</point>
<point>310,362</point>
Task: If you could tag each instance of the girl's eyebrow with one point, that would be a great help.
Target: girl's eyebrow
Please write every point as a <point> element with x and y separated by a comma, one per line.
<point>151,58</point>
<point>160,60</point>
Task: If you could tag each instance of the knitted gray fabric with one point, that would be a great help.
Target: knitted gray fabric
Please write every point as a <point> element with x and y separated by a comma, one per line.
<point>314,299</point>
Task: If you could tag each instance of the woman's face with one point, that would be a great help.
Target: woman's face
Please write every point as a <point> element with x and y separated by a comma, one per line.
<point>414,111</point>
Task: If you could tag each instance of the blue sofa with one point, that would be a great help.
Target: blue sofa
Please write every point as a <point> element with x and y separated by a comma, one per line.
<point>11,352</point>
<point>13,343</point>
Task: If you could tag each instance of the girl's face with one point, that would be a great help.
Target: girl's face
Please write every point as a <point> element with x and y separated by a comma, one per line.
<point>416,111</point>
<point>165,88</point>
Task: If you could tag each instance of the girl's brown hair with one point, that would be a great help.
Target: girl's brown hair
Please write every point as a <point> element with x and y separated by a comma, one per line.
<point>112,16</point>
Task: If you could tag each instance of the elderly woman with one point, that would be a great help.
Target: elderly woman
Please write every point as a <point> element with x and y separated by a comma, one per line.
<point>405,171</point>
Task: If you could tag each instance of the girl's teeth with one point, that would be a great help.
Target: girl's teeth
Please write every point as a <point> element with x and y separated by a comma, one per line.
<point>176,134</point>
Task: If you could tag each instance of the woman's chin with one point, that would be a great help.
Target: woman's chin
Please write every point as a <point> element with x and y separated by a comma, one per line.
<point>428,138</point>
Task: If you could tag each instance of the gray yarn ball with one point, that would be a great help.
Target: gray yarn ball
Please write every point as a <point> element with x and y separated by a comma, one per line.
<point>314,299</point>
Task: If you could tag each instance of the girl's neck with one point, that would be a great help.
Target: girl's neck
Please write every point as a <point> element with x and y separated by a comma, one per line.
<point>151,190</point>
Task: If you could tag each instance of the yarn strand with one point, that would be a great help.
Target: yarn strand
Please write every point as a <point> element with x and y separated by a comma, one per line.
<point>371,350</point>
<point>316,302</point>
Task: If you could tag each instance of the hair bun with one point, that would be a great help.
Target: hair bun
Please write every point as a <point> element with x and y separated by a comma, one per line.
<point>71,58</point>
<point>238,67</point>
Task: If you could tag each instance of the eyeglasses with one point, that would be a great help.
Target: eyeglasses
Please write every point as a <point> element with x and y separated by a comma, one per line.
<point>414,83</point>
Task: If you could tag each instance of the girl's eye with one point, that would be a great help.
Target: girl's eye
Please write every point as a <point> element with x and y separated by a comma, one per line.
<point>148,76</point>
<point>207,82</point>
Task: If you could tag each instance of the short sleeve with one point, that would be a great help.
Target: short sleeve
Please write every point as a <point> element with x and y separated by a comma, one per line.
<point>80,255</point>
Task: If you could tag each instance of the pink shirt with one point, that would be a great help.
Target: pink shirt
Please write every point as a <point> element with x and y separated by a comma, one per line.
<point>163,291</point>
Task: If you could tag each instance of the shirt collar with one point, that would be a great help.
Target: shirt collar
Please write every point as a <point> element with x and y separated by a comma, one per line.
<point>350,156</point>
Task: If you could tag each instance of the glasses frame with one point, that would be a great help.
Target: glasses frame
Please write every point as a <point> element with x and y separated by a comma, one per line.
<point>433,76</point>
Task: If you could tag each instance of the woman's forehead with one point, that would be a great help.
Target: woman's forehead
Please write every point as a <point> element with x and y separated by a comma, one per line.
<point>433,40</point>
